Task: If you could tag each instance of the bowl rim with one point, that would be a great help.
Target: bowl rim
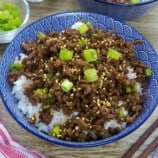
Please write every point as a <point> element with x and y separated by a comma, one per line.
<point>126,5</point>
<point>25,20</point>
<point>56,141</point>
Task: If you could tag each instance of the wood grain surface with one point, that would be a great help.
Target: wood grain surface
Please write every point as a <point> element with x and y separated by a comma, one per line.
<point>148,26</point>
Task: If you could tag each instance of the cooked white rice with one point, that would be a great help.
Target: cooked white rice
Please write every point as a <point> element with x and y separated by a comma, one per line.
<point>77,25</point>
<point>29,110</point>
<point>131,74</point>
<point>114,124</point>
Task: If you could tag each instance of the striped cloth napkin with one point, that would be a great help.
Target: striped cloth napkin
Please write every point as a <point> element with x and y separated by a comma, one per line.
<point>9,148</point>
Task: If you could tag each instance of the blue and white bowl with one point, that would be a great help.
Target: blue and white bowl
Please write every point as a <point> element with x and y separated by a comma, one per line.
<point>118,11</point>
<point>59,22</point>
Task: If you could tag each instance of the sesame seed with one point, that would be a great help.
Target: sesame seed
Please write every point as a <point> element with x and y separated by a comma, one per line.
<point>76,128</point>
<point>86,106</point>
<point>46,66</point>
<point>57,74</point>
<point>72,94</point>
<point>74,89</point>
<point>108,104</point>
<point>51,58</point>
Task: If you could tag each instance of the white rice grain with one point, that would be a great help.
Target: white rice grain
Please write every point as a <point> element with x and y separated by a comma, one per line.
<point>113,124</point>
<point>19,85</point>
<point>20,58</point>
<point>77,25</point>
<point>131,74</point>
<point>59,118</point>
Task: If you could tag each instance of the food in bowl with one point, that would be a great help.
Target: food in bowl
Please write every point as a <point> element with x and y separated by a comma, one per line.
<point>120,11</point>
<point>122,1</point>
<point>126,1</point>
<point>82,84</point>
<point>10,17</point>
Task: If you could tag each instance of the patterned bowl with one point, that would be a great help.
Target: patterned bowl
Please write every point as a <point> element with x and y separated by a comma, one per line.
<point>119,11</point>
<point>59,22</point>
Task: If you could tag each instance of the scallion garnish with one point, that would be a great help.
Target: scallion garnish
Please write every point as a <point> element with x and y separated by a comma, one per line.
<point>136,87</point>
<point>134,1</point>
<point>41,36</point>
<point>90,55</point>
<point>40,91</point>
<point>56,130</point>
<point>90,74</point>
<point>66,85</point>
<point>89,24</point>
<point>83,42</point>
<point>50,95</point>
<point>148,72</point>
<point>94,35</point>
<point>16,66</point>
<point>121,112</point>
<point>114,54</point>
<point>128,89</point>
<point>83,28</point>
<point>65,54</point>
<point>44,107</point>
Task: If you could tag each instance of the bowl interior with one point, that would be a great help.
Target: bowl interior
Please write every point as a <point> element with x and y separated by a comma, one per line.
<point>59,22</point>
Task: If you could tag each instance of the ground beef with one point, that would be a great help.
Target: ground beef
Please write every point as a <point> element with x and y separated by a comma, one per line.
<point>96,103</point>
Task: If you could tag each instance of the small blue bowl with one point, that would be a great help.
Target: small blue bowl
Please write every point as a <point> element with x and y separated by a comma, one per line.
<point>59,22</point>
<point>118,11</point>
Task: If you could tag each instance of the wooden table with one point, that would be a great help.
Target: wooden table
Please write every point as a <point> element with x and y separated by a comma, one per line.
<point>148,26</point>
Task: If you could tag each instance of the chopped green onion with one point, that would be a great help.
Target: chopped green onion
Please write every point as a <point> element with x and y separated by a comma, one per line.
<point>65,54</point>
<point>128,89</point>
<point>45,107</point>
<point>83,42</point>
<point>90,74</point>
<point>89,24</point>
<point>148,72</point>
<point>114,54</point>
<point>136,87</point>
<point>9,16</point>
<point>121,112</point>
<point>41,36</point>
<point>134,1</point>
<point>45,90</point>
<point>40,91</point>
<point>94,35</point>
<point>50,95</point>
<point>90,55</point>
<point>66,85</point>
<point>16,66</point>
<point>56,130</point>
<point>83,28</point>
